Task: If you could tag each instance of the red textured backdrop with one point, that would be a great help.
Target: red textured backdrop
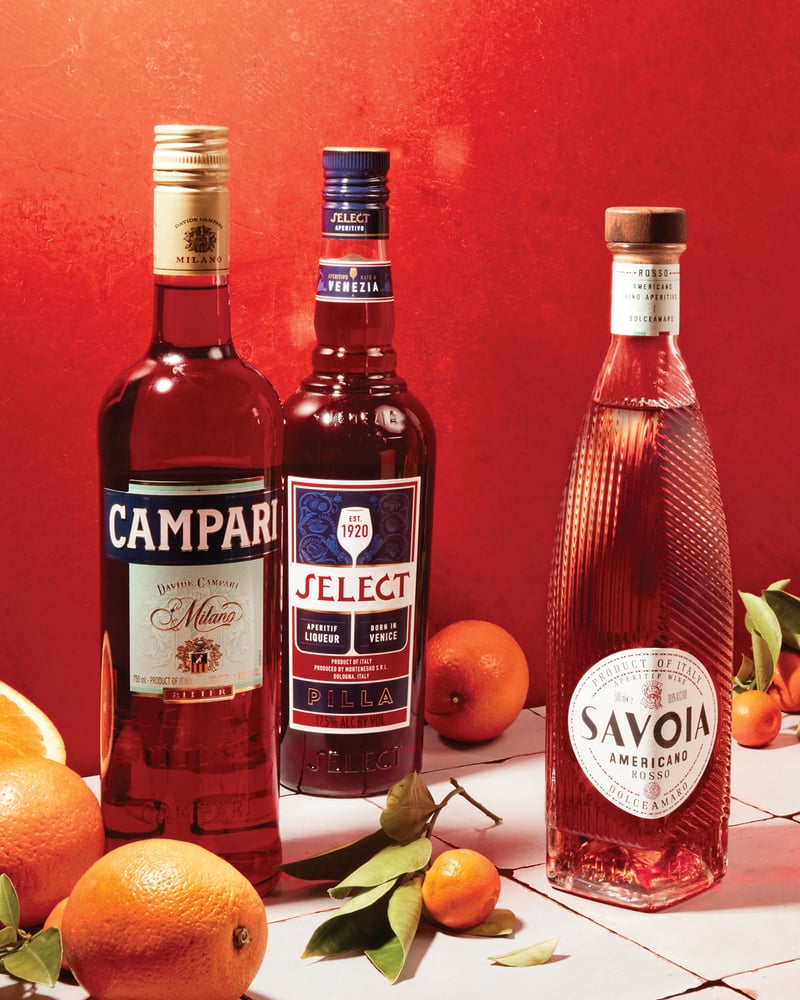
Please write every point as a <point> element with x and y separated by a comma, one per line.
<point>512,125</point>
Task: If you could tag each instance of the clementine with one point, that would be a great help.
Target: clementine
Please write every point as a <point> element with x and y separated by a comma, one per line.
<point>161,918</point>
<point>461,888</point>
<point>51,831</point>
<point>755,718</point>
<point>785,684</point>
<point>25,730</point>
<point>476,681</point>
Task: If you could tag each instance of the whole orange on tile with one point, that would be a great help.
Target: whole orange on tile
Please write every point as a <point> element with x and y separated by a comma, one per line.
<point>461,888</point>
<point>476,681</point>
<point>25,730</point>
<point>755,718</point>
<point>51,831</point>
<point>162,919</point>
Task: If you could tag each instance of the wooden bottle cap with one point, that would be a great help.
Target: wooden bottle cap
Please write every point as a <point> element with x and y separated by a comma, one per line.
<point>645,224</point>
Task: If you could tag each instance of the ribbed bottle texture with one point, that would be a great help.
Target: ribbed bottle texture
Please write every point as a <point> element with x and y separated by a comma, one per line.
<point>640,643</point>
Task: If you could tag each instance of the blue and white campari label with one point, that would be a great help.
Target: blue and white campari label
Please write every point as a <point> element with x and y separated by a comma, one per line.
<point>196,584</point>
<point>352,575</point>
<point>643,725</point>
<point>354,281</point>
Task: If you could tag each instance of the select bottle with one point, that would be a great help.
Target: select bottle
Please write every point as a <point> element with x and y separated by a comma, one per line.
<point>359,463</point>
<point>190,449</point>
<point>640,620</point>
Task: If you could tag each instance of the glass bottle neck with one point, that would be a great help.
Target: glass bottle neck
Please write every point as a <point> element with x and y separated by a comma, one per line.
<point>644,367</point>
<point>190,261</point>
<point>354,311</point>
<point>192,312</point>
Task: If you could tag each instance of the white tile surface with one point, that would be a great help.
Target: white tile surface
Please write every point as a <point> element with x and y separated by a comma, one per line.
<point>739,939</point>
<point>751,919</point>
<point>778,982</point>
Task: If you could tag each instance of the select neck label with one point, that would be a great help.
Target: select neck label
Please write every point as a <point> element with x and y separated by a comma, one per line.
<point>643,724</point>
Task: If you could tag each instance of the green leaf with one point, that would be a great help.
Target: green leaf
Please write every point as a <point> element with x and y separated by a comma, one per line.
<point>360,923</point>
<point>763,623</point>
<point>9,903</point>
<point>8,936</point>
<point>763,663</point>
<point>499,923</point>
<point>38,960</point>
<point>405,908</point>
<point>787,610</point>
<point>536,954</point>
<point>387,865</point>
<point>409,806</point>
<point>336,864</point>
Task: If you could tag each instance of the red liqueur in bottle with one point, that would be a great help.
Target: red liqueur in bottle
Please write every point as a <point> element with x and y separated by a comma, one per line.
<point>640,611</point>
<point>359,492</point>
<point>190,443</point>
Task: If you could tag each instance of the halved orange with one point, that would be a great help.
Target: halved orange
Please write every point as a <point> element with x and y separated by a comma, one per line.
<point>25,730</point>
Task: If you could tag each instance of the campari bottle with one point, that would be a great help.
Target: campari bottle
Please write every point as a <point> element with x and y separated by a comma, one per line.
<point>640,628</point>
<point>190,444</point>
<point>359,481</point>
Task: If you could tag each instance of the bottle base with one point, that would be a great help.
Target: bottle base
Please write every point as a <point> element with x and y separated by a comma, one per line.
<point>630,877</point>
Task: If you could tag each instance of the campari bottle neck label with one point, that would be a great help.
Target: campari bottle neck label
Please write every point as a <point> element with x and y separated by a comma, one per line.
<point>645,298</point>
<point>191,231</point>
<point>643,724</point>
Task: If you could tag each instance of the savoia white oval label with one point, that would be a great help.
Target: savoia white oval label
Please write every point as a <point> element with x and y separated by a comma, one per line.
<point>642,723</point>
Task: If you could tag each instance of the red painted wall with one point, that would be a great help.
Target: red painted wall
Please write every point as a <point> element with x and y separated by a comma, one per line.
<point>512,125</point>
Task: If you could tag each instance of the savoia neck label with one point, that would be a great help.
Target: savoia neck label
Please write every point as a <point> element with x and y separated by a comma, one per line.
<point>352,580</point>
<point>645,299</point>
<point>642,724</point>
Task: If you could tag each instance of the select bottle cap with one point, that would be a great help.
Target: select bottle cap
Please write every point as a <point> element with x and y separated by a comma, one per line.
<point>645,224</point>
<point>192,155</point>
<point>355,176</point>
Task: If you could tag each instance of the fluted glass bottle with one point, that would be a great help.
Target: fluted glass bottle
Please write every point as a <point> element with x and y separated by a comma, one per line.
<point>640,626</point>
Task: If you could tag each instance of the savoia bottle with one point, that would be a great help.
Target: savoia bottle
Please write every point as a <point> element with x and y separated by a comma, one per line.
<point>190,442</point>
<point>640,610</point>
<point>359,490</point>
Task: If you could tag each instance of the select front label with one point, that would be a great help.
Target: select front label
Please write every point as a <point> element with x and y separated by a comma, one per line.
<point>351,570</point>
<point>642,724</point>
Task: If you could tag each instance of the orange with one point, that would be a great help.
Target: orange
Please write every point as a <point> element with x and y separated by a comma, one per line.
<point>461,888</point>
<point>756,718</point>
<point>25,730</point>
<point>54,919</point>
<point>164,920</point>
<point>786,680</point>
<point>476,681</point>
<point>51,831</point>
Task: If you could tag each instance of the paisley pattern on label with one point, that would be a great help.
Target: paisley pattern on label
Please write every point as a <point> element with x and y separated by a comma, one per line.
<point>642,724</point>
<point>352,571</point>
